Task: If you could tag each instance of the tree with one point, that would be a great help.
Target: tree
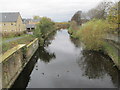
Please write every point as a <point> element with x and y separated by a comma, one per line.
<point>36,17</point>
<point>114,15</point>
<point>45,26</point>
<point>100,11</point>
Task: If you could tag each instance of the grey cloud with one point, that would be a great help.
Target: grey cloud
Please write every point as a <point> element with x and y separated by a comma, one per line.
<point>58,10</point>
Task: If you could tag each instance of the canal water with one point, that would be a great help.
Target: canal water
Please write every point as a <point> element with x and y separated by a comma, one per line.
<point>62,63</point>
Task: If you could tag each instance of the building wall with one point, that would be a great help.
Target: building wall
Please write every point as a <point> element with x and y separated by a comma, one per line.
<point>0,27</point>
<point>20,25</point>
<point>12,26</point>
<point>8,26</point>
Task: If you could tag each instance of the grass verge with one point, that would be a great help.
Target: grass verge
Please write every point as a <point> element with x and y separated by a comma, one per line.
<point>9,45</point>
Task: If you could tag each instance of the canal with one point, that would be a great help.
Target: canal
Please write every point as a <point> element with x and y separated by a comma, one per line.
<point>62,63</point>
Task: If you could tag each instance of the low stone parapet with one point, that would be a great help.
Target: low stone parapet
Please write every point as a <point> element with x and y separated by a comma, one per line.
<point>13,62</point>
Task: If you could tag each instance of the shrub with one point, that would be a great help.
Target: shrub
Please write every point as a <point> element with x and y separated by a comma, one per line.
<point>113,17</point>
<point>92,34</point>
<point>73,29</point>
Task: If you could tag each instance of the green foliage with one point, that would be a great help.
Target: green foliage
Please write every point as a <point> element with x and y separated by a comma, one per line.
<point>9,45</point>
<point>92,34</point>
<point>113,17</point>
<point>37,32</point>
<point>62,25</point>
<point>44,27</point>
<point>12,34</point>
<point>5,47</point>
<point>36,17</point>
<point>73,29</point>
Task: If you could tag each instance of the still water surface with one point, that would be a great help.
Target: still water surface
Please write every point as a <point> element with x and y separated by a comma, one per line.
<point>62,63</point>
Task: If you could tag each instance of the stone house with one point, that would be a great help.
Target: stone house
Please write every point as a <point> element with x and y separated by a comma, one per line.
<point>30,24</point>
<point>11,22</point>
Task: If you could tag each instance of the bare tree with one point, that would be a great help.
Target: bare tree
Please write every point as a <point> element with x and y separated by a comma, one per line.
<point>100,11</point>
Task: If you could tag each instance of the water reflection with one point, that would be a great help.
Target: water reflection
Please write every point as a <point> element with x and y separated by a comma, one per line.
<point>24,77</point>
<point>64,71</point>
<point>49,39</point>
<point>77,42</point>
<point>96,66</point>
<point>45,55</point>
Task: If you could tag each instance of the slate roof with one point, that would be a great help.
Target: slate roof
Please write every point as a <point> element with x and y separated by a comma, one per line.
<point>35,20</point>
<point>30,26</point>
<point>25,21</point>
<point>9,17</point>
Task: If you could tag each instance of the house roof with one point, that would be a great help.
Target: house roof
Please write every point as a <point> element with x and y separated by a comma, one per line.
<point>25,21</point>
<point>35,20</point>
<point>30,26</point>
<point>9,17</point>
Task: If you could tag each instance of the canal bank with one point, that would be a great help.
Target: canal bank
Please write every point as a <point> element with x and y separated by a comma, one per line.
<point>110,46</point>
<point>113,48</point>
<point>62,63</point>
<point>14,60</point>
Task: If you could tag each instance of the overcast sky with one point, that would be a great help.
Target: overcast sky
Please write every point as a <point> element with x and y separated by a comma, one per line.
<point>57,10</point>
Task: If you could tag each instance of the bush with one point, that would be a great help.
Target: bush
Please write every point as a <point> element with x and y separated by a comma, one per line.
<point>113,17</point>
<point>92,33</point>
<point>73,29</point>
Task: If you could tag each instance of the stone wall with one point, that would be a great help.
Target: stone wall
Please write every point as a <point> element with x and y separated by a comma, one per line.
<point>14,60</point>
<point>113,43</point>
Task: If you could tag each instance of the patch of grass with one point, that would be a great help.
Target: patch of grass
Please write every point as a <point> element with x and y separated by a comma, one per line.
<point>7,38</point>
<point>12,34</point>
<point>25,40</point>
